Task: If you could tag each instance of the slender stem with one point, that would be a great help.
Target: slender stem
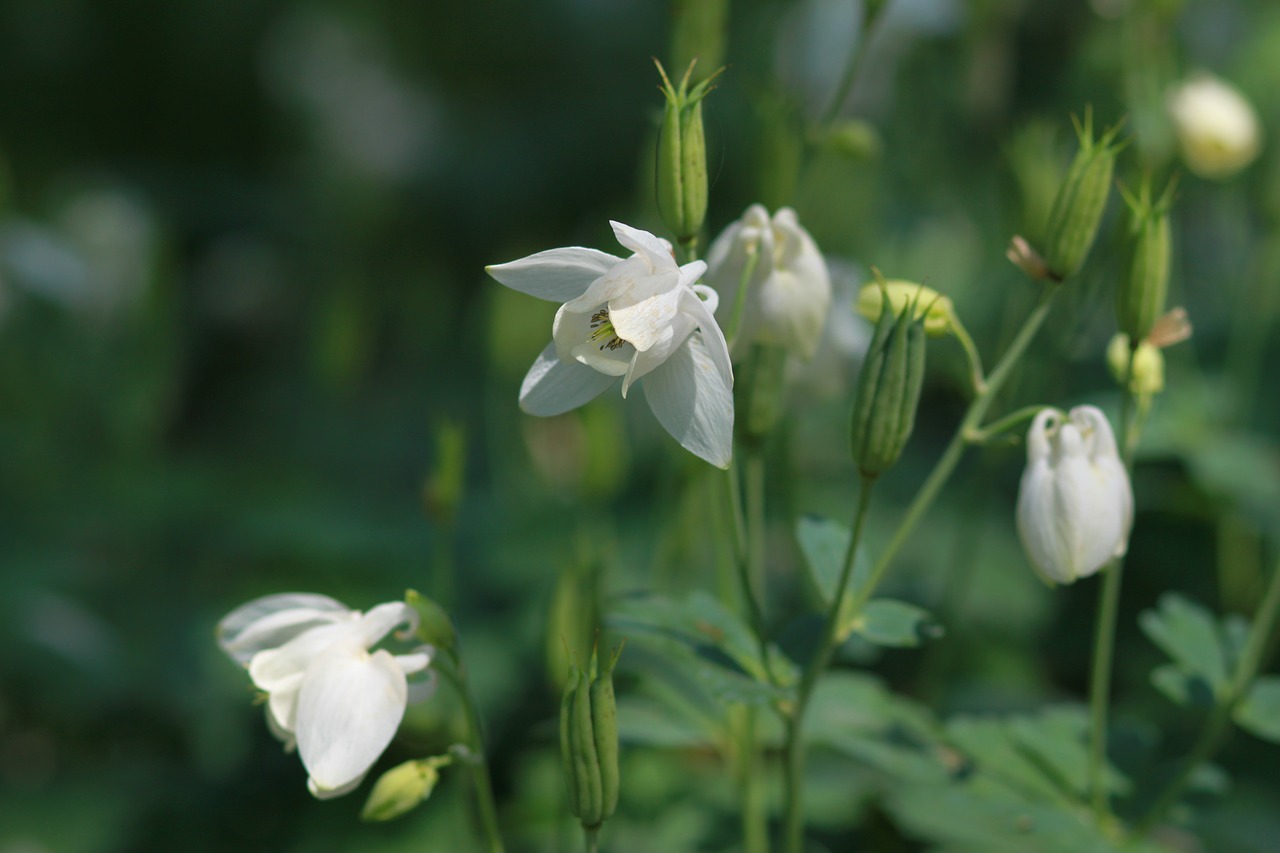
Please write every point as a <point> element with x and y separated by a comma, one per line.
<point>1211,736</point>
<point>972,355</point>
<point>1105,631</point>
<point>755,520</point>
<point>795,753</point>
<point>851,69</point>
<point>475,741</point>
<point>946,464</point>
<point>740,296</point>
<point>743,562</point>
<point>591,838</point>
<point>1004,424</point>
<point>755,821</point>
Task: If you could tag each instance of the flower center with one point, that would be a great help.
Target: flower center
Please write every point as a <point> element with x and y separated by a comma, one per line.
<point>603,335</point>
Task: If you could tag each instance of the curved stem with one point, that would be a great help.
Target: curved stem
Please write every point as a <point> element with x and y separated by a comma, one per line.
<point>743,561</point>
<point>475,741</point>
<point>946,464</point>
<point>795,753</point>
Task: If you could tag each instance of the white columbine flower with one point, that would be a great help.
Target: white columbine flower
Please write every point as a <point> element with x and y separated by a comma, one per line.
<point>1218,130</point>
<point>339,703</point>
<point>789,288</point>
<point>641,316</point>
<point>1075,506</point>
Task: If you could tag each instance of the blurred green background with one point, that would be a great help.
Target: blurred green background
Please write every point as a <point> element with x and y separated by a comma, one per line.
<point>243,318</point>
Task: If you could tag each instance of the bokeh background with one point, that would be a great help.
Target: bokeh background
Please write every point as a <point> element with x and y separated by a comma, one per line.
<point>246,344</point>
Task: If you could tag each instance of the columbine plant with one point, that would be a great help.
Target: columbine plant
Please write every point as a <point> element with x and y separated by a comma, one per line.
<point>640,317</point>
<point>338,702</point>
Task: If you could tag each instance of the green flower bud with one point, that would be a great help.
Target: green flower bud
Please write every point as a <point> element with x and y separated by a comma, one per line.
<point>888,390</point>
<point>434,625</point>
<point>1141,295</point>
<point>403,787</point>
<point>1081,200</point>
<point>1148,366</point>
<point>682,156</point>
<point>854,139</point>
<point>589,743</point>
<point>936,310</point>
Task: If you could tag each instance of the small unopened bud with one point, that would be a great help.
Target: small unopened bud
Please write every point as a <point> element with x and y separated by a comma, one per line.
<point>888,390</point>
<point>1081,200</point>
<point>928,304</point>
<point>682,156</point>
<point>855,140</point>
<point>402,788</point>
<point>1148,366</point>
<point>1141,295</point>
<point>589,742</point>
<point>1027,259</point>
<point>434,625</point>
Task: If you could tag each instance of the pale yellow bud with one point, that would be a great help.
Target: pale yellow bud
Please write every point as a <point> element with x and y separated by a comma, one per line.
<point>936,309</point>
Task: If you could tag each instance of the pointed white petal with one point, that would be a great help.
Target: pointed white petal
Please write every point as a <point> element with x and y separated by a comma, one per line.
<point>330,793</point>
<point>671,339</point>
<point>617,281</point>
<point>349,708</point>
<point>689,397</point>
<point>557,275</point>
<point>712,337</point>
<point>552,386</point>
<point>380,620</point>
<point>273,620</point>
<point>655,249</point>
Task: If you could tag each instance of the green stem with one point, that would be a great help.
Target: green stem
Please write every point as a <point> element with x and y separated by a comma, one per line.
<point>456,674</point>
<point>984,434</point>
<point>795,753</point>
<point>972,420</point>
<point>755,520</point>
<point>972,355</point>
<point>853,65</point>
<point>1105,630</point>
<point>591,838</point>
<point>740,297</point>
<point>755,821</point>
<point>743,561</point>
<point>1211,736</point>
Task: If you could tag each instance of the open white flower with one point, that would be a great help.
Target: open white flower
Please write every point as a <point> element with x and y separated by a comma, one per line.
<point>339,703</point>
<point>788,289</point>
<point>1218,130</point>
<point>1075,505</point>
<point>642,316</point>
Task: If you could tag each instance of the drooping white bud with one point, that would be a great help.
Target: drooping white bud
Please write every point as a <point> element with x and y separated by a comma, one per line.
<point>1075,505</point>
<point>1218,130</point>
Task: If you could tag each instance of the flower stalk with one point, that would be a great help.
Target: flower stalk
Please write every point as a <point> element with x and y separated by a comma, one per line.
<point>455,673</point>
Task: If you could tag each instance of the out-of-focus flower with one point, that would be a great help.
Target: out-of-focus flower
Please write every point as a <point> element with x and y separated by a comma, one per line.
<point>788,286</point>
<point>1148,365</point>
<point>1218,130</point>
<point>327,694</point>
<point>843,342</point>
<point>1075,506</point>
<point>938,312</point>
<point>642,316</point>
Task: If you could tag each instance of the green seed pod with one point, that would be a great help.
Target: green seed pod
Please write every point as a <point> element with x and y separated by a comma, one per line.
<point>1141,295</point>
<point>1081,200</point>
<point>567,761</point>
<point>682,156</point>
<point>888,391</point>
<point>604,725</point>
<point>586,761</point>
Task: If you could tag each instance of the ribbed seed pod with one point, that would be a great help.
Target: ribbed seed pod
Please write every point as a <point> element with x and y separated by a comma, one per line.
<point>1080,202</point>
<point>1141,295</point>
<point>604,725</point>
<point>888,391</point>
<point>567,759</point>
<point>589,743</point>
<point>682,156</point>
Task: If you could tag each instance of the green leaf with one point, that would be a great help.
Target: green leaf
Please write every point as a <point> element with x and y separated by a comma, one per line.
<point>1259,713</point>
<point>1190,635</point>
<point>1182,689</point>
<point>887,622</point>
<point>701,622</point>
<point>824,543</point>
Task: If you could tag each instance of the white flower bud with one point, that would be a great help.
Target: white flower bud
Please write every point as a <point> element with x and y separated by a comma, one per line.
<point>1075,505</point>
<point>788,286</point>
<point>1218,131</point>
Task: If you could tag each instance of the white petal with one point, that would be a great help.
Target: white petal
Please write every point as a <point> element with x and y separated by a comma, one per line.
<point>671,339</point>
<point>273,620</point>
<point>349,708</point>
<point>552,386</point>
<point>642,323</point>
<point>655,249</point>
<point>712,338</point>
<point>621,278</point>
<point>380,620</point>
<point>556,274</point>
<point>279,669</point>
<point>692,401</point>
